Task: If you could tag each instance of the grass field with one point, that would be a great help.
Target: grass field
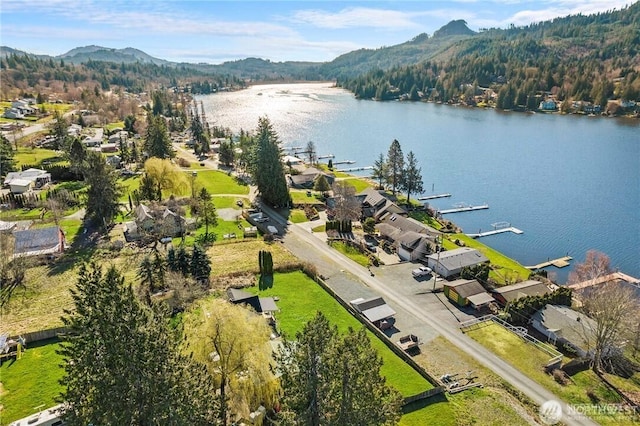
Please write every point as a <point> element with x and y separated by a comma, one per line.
<point>218,182</point>
<point>242,257</point>
<point>531,361</point>
<point>31,381</point>
<point>352,253</point>
<point>297,216</point>
<point>299,300</point>
<point>358,183</point>
<point>35,156</point>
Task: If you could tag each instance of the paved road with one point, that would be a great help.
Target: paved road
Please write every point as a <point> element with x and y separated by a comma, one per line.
<point>304,245</point>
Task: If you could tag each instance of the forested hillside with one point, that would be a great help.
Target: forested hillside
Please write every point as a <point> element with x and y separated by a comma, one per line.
<point>580,58</point>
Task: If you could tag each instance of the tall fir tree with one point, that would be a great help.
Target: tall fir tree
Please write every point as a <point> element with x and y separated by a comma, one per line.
<point>267,167</point>
<point>103,192</point>
<point>7,162</point>
<point>395,166</point>
<point>157,142</point>
<point>412,177</point>
<point>121,363</point>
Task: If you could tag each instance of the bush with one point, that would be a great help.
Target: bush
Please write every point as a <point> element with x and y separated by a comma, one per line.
<point>560,377</point>
<point>183,162</point>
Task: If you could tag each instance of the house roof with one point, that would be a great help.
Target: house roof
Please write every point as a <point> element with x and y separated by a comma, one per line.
<point>374,308</point>
<point>37,241</point>
<point>459,258</point>
<point>564,322</point>
<point>411,239</point>
<point>373,197</point>
<point>522,289</point>
<point>466,288</point>
<point>259,304</point>
<point>480,299</point>
<point>7,226</point>
<point>407,224</point>
<point>29,175</point>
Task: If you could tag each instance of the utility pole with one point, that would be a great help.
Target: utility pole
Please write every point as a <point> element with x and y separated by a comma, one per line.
<point>435,273</point>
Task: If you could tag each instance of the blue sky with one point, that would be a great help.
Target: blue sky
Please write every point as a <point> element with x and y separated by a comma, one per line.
<point>218,31</point>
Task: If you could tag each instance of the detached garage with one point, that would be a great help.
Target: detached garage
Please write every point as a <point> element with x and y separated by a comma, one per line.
<point>467,292</point>
<point>451,262</point>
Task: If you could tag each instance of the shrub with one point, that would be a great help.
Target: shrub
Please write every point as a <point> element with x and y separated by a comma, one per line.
<point>560,377</point>
<point>183,162</point>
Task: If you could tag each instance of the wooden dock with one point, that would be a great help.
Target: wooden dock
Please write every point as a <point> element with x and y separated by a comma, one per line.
<point>561,262</point>
<point>433,197</point>
<point>355,169</point>
<point>344,162</point>
<point>465,209</point>
<point>496,231</point>
<point>322,157</point>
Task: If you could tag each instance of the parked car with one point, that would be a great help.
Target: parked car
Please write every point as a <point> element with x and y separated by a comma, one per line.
<point>422,271</point>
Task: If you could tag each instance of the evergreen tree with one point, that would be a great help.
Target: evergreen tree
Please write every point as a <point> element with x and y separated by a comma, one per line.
<point>395,166</point>
<point>59,130</point>
<point>333,380</point>
<point>77,156</point>
<point>157,142</point>
<point>321,184</point>
<point>121,363</point>
<point>200,267</point>
<point>103,192</point>
<point>207,211</point>
<point>226,154</point>
<point>266,166</point>
<point>412,177</point>
<point>183,261</point>
<point>147,276</point>
<point>172,261</point>
<point>379,171</point>
<point>7,163</point>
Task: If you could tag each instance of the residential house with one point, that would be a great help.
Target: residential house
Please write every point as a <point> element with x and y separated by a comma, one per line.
<point>307,178</point>
<point>548,105</point>
<point>161,222</point>
<point>375,204</point>
<point>451,262</point>
<point>376,310</point>
<point>412,239</point>
<point>40,241</point>
<point>510,293</point>
<point>467,292</point>
<point>13,113</point>
<point>259,304</point>
<point>114,161</point>
<point>24,181</point>
<point>565,327</point>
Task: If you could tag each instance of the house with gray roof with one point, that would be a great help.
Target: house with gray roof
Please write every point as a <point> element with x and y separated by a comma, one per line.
<point>307,178</point>
<point>259,304</point>
<point>40,241</point>
<point>376,310</point>
<point>412,240</point>
<point>565,327</point>
<point>24,181</point>
<point>451,262</point>
<point>519,290</point>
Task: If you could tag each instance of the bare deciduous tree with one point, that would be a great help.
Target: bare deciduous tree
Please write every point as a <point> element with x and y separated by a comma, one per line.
<point>347,205</point>
<point>610,304</point>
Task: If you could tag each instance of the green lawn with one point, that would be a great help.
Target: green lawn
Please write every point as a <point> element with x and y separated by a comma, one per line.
<point>352,253</point>
<point>31,381</point>
<point>423,217</point>
<point>531,361</point>
<point>116,125</point>
<point>505,270</point>
<point>129,184</point>
<point>35,156</point>
<point>297,216</point>
<point>299,300</point>
<point>229,202</point>
<point>218,182</point>
<point>358,183</point>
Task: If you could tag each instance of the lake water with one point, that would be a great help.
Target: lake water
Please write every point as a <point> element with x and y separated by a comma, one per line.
<point>571,183</point>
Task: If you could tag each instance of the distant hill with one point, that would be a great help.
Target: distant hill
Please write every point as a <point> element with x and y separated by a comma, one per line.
<point>127,55</point>
<point>418,49</point>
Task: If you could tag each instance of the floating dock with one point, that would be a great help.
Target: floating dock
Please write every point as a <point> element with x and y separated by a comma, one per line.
<point>322,157</point>
<point>498,228</point>
<point>344,162</point>
<point>464,209</point>
<point>355,169</point>
<point>558,263</point>
<point>433,197</point>
<point>496,231</point>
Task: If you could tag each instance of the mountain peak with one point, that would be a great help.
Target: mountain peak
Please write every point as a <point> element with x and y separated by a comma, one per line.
<point>458,27</point>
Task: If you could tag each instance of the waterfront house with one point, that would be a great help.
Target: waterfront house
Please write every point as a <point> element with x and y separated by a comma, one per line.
<point>510,293</point>
<point>467,292</point>
<point>307,178</point>
<point>412,240</point>
<point>565,327</point>
<point>451,262</point>
<point>548,105</point>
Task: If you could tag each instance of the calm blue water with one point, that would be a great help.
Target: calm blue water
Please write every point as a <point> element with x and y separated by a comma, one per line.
<point>571,183</point>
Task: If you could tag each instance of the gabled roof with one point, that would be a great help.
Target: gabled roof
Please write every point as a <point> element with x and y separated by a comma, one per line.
<point>34,242</point>
<point>259,304</point>
<point>374,308</point>
<point>522,289</point>
<point>373,197</point>
<point>459,258</point>
<point>407,224</point>
<point>466,288</point>
<point>411,239</point>
<point>564,322</point>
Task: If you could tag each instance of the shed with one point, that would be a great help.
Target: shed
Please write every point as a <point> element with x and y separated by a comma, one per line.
<point>519,290</point>
<point>259,304</point>
<point>451,262</point>
<point>375,309</point>
<point>34,242</point>
<point>467,292</point>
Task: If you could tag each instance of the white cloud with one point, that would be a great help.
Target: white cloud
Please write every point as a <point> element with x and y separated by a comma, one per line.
<point>356,17</point>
